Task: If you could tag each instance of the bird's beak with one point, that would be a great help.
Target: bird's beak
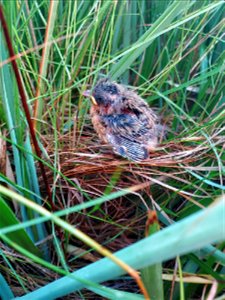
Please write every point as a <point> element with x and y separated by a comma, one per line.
<point>88,94</point>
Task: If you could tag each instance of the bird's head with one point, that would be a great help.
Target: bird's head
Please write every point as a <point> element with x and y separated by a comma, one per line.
<point>105,93</point>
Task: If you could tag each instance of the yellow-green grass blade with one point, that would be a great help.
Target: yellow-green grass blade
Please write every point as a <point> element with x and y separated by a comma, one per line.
<point>190,234</point>
<point>39,105</point>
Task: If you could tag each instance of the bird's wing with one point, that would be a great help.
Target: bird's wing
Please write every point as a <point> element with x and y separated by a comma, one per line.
<point>124,133</point>
<point>126,148</point>
<point>128,125</point>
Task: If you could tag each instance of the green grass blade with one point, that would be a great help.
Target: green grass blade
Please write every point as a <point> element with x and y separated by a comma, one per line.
<point>5,291</point>
<point>152,275</point>
<point>147,38</point>
<point>162,25</point>
<point>172,53</point>
<point>192,233</point>
<point>113,294</point>
<point>20,236</point>
<point>45,57</point>
<point>25,169</point>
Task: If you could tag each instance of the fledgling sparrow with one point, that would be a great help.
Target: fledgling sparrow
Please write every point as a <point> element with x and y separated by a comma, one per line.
<point>123,120</point>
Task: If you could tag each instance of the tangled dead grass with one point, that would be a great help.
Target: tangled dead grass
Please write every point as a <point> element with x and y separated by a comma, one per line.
<point>94,171</point>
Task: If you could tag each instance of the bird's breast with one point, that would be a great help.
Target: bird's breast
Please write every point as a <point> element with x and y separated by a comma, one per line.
<point>97,123</point>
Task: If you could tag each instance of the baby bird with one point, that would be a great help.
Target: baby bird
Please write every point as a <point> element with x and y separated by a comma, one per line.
<point>123,120</point>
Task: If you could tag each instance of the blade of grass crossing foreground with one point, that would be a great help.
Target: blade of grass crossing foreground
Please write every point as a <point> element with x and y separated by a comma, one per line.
<point>177,239</point>
<point>79,234</point>
<point>5,291</point>
<point>109,293</point>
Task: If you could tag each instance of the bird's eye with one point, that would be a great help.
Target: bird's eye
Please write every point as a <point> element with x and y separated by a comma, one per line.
<point>111,89</point>
<point>99,99</point>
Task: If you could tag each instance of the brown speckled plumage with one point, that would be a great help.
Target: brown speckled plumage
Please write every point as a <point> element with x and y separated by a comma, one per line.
<point>123,120</point>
